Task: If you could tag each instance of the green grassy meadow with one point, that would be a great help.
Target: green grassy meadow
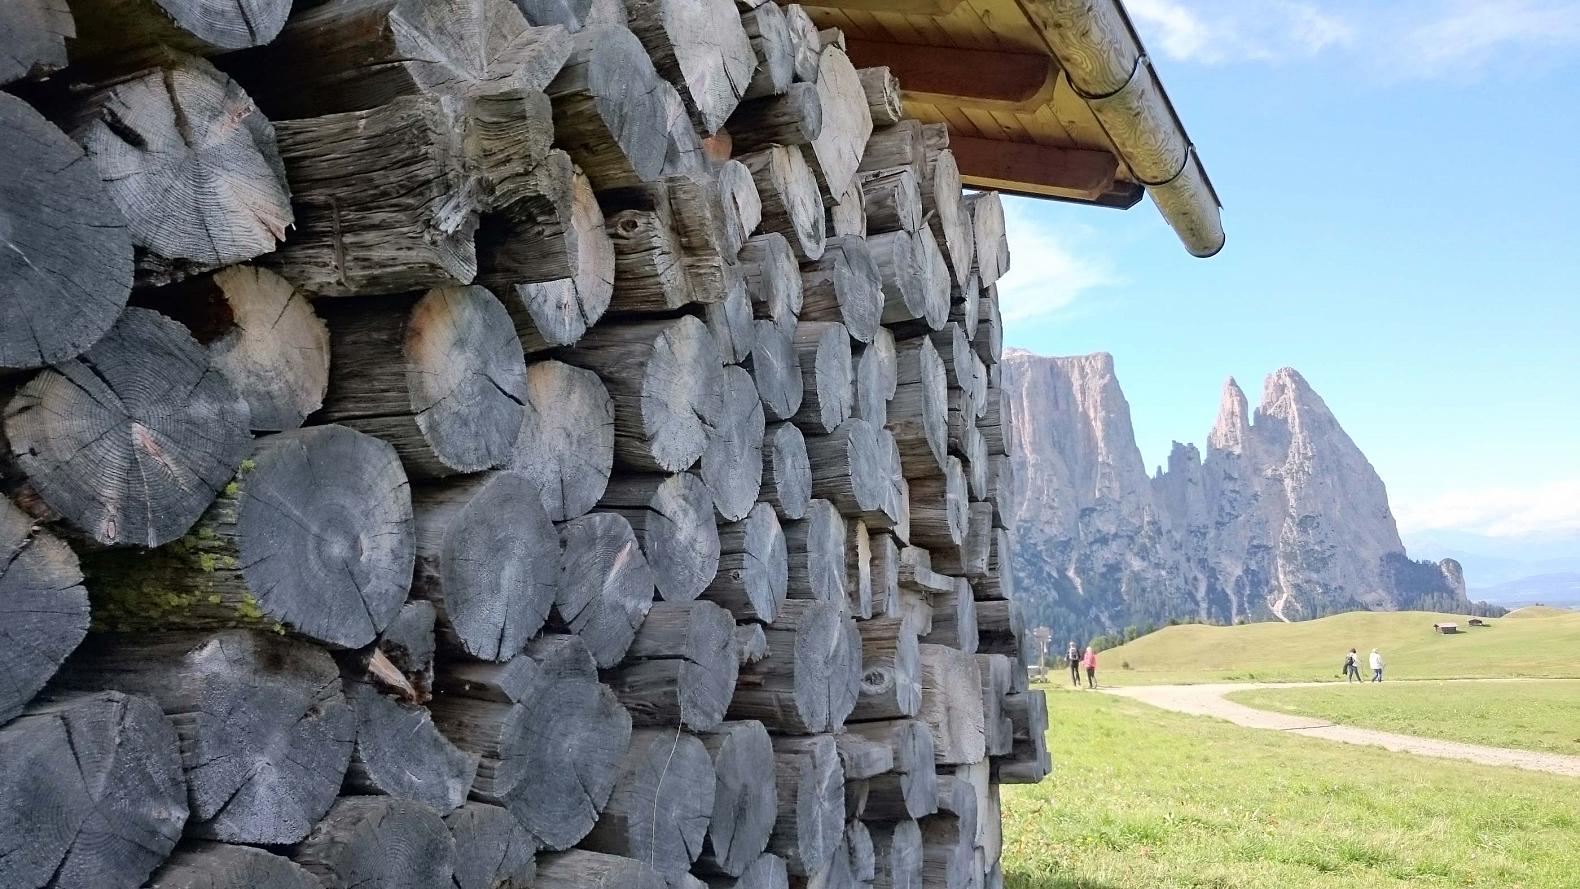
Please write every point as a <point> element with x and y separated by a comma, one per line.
<point>1531,642</point>
<point>1535,715</point>
<point>1142,798</point>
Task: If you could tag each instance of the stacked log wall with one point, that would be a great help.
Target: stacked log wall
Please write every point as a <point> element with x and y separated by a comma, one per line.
<point>503,432</point>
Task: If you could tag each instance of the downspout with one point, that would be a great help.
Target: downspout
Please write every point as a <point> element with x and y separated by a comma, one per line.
<point>1106,65</point>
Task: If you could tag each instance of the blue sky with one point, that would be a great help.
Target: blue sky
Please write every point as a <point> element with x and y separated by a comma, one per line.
<point>1401,189</point>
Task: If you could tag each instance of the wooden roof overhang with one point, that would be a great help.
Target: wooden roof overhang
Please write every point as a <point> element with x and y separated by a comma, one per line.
<point>1045,98</point>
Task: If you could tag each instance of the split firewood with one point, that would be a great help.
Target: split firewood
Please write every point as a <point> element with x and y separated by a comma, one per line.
<point>71,266</point>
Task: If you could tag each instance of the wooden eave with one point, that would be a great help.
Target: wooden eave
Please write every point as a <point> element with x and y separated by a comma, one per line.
<point>1097,128</point>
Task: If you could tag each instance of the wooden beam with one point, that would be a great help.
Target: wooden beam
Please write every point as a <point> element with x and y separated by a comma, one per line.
<point>989,79</point>
<point>1080,173</point>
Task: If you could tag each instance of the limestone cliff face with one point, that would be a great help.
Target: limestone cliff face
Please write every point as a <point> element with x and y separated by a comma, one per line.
<point>1282,518</point>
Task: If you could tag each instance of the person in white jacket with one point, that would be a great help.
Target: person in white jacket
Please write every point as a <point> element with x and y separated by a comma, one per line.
<point>1377,665</point>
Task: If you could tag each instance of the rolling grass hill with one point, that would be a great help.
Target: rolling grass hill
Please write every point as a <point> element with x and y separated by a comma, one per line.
<point>1535,642</point>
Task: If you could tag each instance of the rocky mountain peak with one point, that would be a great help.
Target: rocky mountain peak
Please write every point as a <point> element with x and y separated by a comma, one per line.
<point>1233,425</point>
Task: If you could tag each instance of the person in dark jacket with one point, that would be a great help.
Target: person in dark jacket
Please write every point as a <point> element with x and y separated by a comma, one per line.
<point>1074,657</point>
<point>1352,667</point>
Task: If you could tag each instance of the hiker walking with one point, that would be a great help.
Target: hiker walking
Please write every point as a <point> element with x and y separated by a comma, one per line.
<point>1377,665</point>
<point>1074,657</point>
<point>1089,661</point>
<point>1352,667</point>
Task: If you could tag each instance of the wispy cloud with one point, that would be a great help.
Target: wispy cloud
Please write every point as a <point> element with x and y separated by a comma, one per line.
<point>1243,30</point>
<point>1423,39</point>
<point>1500,511</point>
<point>1052,265</point>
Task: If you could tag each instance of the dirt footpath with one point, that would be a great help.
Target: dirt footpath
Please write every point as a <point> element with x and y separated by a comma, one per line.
<point>1208,700</point>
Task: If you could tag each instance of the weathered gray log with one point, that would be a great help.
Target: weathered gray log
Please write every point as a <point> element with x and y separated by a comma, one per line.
<point>265,731</point>
<point>997,682</point>
<point>408,644</point>
<point>352,55</point>
<point>33,35</point>
<point>858,846</point>
<point>773,281</point>
<point>488,558</point>
<point>107,29</point>
<point>612,109</point>
<point>753,566</point>
<point>189,160</point>
<point>131,441</point>
<point>940,285</point>
<point>584,869</point>
<point>832,37</point>
<point>992,246</point>
<point>492,849</point>
<point>553,782</point>
<point>902,263</point>
<point>827,375</point>
<point>949,219</point>
<point>992,422</point>
<point>890,686</point>
<point>65,278</point>
<point>379,841</point>
<point>767,872</point>
<point>847,124</point>
<point>734,329</point>
<point>662,802</point>
<point>965,304</point>
<point>776,368</point>
<point>1000,627</point>
<point>819,561</point>
<point>952,704</point>
<point>262,335</point>
<point>548,257</point>
<point>441,377</point>
<point>846,213</point>
<point>744,803</point>
<point>940,507</point>
<point>808,682</point>
<point>732,465</point>
<point>673,519</point>
<point>882,90</point>
<point>876,377</point>
<point>205,865</point>
<point>850,469</point>
<point>974,457</point>
<point>910,789</point>
<point>566,442</point>
<point>787,472</point>
<point>750,643</point>
<point>792,118</point>
<point>954,619</point>
<point>91,793</point>
<point>574,15</point>
<point>806,42</point>
<point>399,753</point>
<point>919,411</point>
<point>1028,760</point>
<point>792,205</point>
<point>891,199</point>
<point>667,382</point>
<point>989,341</point>
<point>844,285</point>
<point>605,585</point>
<point>769,33</point>
<point>885,574</point>
<point>902,145</point>
<point>811,810</point>
<point>965,370</point>
<point>43,608</point>
<point>858,580</point>
<point>700,47</point>
<point>681,668</point>
<point>710,213</point>
<point>949,846</point>
<point>383,198</point>
<point>897,852</point>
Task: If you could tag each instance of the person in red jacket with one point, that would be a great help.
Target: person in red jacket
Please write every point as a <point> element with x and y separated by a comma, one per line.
<point>1089,661</point>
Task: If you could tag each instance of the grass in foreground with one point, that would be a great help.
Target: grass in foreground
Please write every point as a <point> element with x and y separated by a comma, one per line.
<point>1529,643</point>
<point>1142,798</point>
<point>1543,716</point>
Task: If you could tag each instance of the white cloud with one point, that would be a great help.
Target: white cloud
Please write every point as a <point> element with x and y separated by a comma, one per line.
<point>1498,511</point>
<point>1467,35</point>
<point>1051,267</point>
<point>1237,31</point>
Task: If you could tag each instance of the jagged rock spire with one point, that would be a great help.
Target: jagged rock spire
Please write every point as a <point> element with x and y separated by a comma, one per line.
<point>1233,426</point>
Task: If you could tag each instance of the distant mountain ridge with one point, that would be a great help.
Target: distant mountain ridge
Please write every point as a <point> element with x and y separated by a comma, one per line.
<point>1282,518</point>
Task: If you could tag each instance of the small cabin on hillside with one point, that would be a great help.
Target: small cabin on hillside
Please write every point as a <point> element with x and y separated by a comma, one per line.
<point>1446,629</point>
<point>1477,622</point>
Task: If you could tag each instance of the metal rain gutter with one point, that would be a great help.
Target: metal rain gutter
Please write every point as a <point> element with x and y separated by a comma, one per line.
<point>1107,66</point>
